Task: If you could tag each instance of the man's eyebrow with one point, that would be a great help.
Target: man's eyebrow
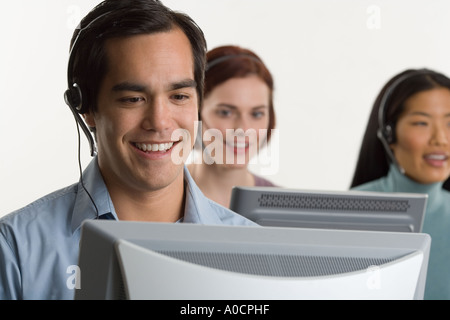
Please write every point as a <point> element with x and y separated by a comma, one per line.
<point>128,86</point>
<point>188,83</point>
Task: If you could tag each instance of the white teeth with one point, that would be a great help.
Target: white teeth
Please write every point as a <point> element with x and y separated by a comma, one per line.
<point>154,146</point>
<point>238,145</point>
<point>436,156</point>
<point>439,157</point>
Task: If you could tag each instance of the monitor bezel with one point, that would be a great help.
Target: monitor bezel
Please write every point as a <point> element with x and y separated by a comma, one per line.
<point>244,200</point>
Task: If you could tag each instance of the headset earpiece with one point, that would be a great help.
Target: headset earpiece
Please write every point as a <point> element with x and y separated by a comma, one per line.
<point>388,134</point>
<point>73,97</point>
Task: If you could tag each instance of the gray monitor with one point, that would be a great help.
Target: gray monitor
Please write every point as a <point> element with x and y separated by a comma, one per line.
<point>348,210</point>
<point>179,261</point>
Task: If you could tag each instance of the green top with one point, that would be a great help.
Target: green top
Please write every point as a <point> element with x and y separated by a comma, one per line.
<point>436,224</point>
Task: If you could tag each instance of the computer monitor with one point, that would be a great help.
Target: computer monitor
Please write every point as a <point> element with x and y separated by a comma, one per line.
<point>180,261</point>
<point>348,210</point>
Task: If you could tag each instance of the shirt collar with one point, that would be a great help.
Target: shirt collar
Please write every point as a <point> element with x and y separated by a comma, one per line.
<point>100,204</point>
<point>197,207</point>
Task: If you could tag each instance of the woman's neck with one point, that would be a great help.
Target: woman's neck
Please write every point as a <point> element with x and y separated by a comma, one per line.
<point>216,181</point>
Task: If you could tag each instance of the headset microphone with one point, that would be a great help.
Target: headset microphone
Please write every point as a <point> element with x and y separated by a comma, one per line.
<point>68,97</point>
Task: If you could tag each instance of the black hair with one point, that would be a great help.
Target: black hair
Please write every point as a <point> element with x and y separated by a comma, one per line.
<point>373,162</point>
<point>123,18</point>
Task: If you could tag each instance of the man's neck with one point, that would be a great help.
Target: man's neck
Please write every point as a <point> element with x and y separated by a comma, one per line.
<point>163,205</point>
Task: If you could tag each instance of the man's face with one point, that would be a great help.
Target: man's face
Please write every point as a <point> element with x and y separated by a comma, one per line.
<point>148,93</point>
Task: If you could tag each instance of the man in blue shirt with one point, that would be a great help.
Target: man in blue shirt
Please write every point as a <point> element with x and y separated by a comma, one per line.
<point>136,76</point>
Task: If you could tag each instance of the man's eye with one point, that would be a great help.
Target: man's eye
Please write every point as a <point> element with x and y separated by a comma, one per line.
<point>136,99</point>
<point>180,97</point>
<point>132,99</point>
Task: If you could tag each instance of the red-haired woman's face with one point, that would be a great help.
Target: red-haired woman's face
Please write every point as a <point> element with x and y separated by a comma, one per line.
<point>422,147</point>
<point>239,110</point>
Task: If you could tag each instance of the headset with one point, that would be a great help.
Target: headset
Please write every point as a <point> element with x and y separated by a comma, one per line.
<point>73,95</point>
<point>221,59</point>
<point>385,130</point>
<point>74,99</point>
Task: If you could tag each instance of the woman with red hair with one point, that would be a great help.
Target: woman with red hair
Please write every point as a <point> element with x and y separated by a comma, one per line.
<point>237,118</point>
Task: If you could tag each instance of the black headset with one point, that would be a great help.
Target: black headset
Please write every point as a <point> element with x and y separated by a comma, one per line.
<point>385,130</point>
<point>73,95</point>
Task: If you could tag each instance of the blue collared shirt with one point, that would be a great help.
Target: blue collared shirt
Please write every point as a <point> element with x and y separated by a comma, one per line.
<point>39,243</point>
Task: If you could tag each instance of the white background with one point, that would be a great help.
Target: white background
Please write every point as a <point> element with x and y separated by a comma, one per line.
<point>329,59</point>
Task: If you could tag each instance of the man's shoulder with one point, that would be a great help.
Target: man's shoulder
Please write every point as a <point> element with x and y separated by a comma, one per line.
<point>43,207</point>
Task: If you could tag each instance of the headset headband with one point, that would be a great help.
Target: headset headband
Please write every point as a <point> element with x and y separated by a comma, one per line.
<point>390,89</point>
<point>221,59</point>
<point>73,95</point>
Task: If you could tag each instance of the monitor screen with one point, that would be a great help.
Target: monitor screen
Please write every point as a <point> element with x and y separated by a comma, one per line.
<point>349,210</point>
<point>179,261</point>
